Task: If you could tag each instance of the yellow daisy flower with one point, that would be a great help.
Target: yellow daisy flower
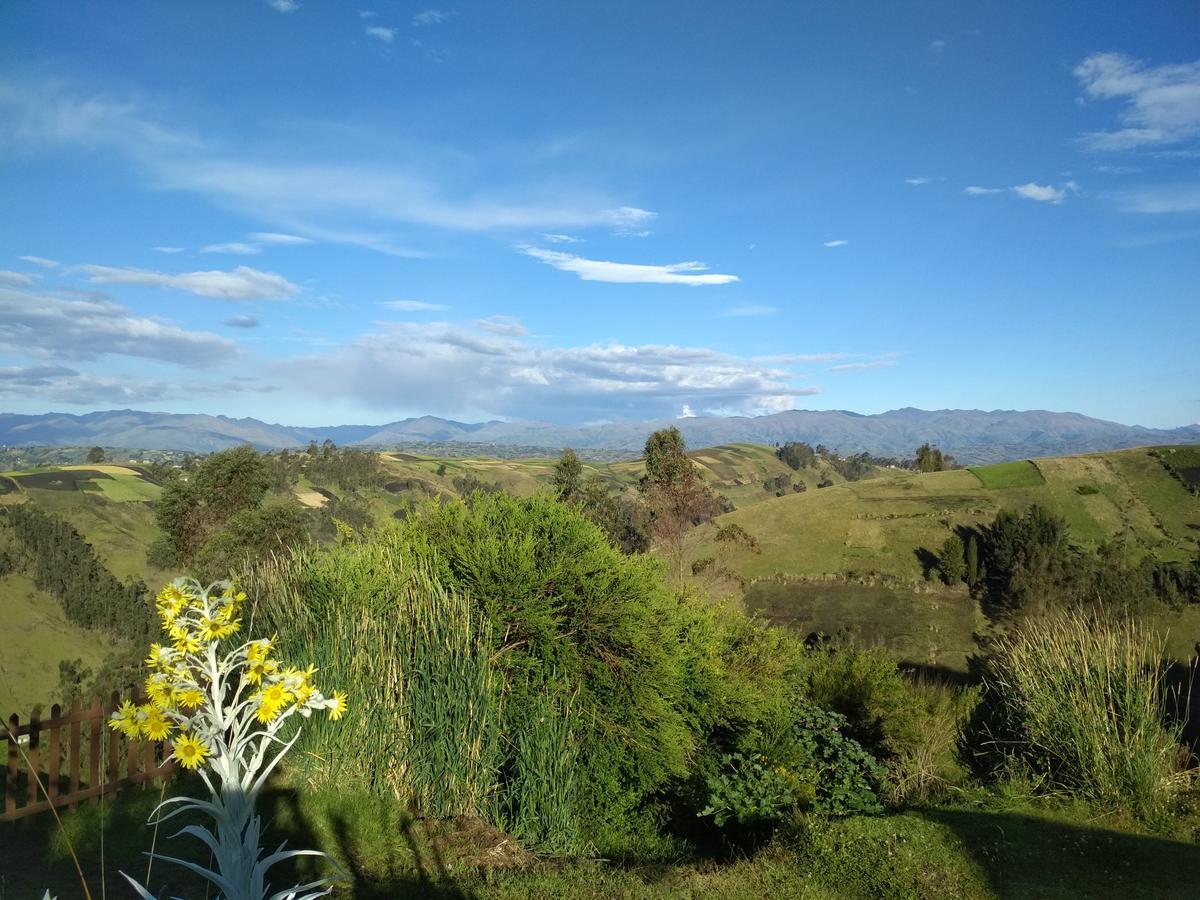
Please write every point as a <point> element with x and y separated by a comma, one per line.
<point>338,705</point>
<point>189,751</point>
<point>155,727</point>
<point>190,698</point>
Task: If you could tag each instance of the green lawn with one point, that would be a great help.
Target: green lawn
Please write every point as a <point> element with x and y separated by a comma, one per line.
<point>1021,473</point>
<point>124,488</point>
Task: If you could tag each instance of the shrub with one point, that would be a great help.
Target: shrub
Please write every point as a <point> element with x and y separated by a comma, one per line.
<point>1076,701</point>
<point>951,561</point>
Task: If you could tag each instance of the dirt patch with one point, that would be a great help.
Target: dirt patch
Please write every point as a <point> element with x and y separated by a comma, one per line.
<point>472,843</point>
<point>311,499</point>
<point>7,485</point>
<point>61,480</point>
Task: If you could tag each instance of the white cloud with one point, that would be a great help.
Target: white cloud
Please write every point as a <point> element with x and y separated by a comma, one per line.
<point>1043,193</point>
<point>275,238</point>
<point>51,327</point>
<point>41,261</point>
<point>32,376</point>
<point>243,283</point>
<point>19,279</point>
<point>284,6</point>
<point>387,35</point>
<point>474,373</point>
<point>505,325</point>
<point>432,17</point>
<point>749,311</point>
<point>837,243</point>
<point>937,46</point>
<point>691,273</point>
<point>241,322</point>
<point>237,248</point>
<point>917,182</point>
<point>168,249</point>
<point>413,305</point>
<point>560,239</point>
<point>1160,199</point>
<point>686,412</point>
<point>367,14</point>
<point>1162,103</point>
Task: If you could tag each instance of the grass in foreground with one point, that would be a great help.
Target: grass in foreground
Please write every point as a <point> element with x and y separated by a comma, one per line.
<point>986,846</point>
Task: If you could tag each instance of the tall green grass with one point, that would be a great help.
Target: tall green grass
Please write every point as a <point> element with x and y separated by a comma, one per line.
<point>423,722</point>
<point>1077,702</point>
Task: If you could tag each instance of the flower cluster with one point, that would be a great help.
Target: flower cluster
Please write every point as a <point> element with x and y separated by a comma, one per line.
<point>206,701</point>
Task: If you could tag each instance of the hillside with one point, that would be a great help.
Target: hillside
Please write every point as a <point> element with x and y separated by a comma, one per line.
<point>973,436</point>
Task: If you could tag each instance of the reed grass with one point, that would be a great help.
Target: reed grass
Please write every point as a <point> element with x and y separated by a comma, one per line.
<point>1079,700</point>
<point>423,722</point>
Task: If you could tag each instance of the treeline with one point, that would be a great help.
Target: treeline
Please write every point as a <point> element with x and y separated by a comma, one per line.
<point>1025,562</point>
<point>854,466</point>
<point>64,565</point>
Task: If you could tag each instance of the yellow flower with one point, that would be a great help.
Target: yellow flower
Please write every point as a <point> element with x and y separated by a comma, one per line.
<point>190,751</point>
<point>155,727</point>
<point>258,669</point>
<point>209,629</point>
<point>259,649</point>
<point>158,687</point>
<point>124,720</point>
<point>190,698</point>
<point>266,712</point>
<point>338,705</point>
<point>186,643</point>
<point>160,657</point>
<point>229,628</point>
<point>277,694</point>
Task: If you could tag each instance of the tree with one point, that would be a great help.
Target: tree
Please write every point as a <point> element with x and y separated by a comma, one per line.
<point>951,560</point>
<point>568,476</point>
<point>797,455</point>
<point>931,459</point>
<point>96,455</point>
<point>675,496</point>
<point>971,560</point>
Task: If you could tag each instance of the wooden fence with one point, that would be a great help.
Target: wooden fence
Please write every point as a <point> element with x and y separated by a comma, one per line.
<point>72,758</point>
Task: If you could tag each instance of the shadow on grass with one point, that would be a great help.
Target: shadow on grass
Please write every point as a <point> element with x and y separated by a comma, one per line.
<point>1033,856</point>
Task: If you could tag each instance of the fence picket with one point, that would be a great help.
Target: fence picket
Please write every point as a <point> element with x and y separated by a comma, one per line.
<point>44,791</point>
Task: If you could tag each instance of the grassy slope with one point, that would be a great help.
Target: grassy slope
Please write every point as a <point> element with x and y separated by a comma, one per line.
<point>878,525</point>
<point>37,636</point>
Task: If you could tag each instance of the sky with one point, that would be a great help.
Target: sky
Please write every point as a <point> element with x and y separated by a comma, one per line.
<point>315,212</point>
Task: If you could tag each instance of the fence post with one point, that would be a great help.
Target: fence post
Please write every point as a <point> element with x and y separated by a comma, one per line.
<point>54,763</point>
<point>33,753</point>
<point>10,786</point>
<point>114,743</point>
<point>73,752</point>
<point>95,714</point>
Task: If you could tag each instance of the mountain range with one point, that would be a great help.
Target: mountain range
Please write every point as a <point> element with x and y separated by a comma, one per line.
<point>972,436</point>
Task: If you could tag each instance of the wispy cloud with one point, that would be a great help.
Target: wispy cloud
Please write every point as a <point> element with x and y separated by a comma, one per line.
<point>41,261</point>
<point>884,362</point>
<point>505,325</point>
<point>796,359</point>
<point>237,248</point>
<point>918,181</point>
<point>690,273</point>
<point>168,249</point>
<point>344,202</point>
<point>19,279</point>
<point>1162,103</point>
<point>379,32</point>
<point>937,45</point>
<point>560,239</point>
<point>748,311</point>
<point>275,238</point>
<point>413,306</point>
<point>241,322</point>
<point>243,283</point>
<point>432,17</point>
<point>837,243</point>
<point>1043,193</point>
<point>284,6</point>
<point>1167,198</point>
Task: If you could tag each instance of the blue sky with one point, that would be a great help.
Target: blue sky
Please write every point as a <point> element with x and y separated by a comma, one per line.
<point>315,212</point>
